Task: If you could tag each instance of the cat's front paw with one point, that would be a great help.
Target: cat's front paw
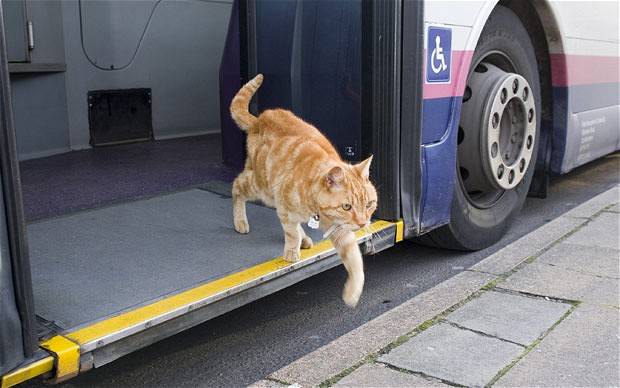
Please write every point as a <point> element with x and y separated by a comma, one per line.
<point>352,292</point>
<point>242,226</point>
<point>292,255</point>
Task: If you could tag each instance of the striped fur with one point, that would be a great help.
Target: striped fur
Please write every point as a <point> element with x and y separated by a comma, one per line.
<point>291,166</point>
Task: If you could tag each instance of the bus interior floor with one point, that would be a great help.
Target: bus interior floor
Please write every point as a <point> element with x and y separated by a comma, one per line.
<point>96,177</point>
<point>100,221</point>
<point>114,258</point>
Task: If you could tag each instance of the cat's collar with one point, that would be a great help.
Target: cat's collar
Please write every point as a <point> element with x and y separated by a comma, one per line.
<point>331,230</point>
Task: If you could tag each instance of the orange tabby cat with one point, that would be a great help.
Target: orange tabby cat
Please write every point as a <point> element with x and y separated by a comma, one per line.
<point>291,166</point>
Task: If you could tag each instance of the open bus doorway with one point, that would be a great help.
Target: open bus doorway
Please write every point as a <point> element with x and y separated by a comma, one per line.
<point>131,221</point>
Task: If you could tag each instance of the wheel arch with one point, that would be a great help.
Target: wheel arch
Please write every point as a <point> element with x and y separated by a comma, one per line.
<point>540,20</point>
<point>542,25</point>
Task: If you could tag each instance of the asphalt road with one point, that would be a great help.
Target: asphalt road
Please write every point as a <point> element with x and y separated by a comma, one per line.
<point>249,343</point>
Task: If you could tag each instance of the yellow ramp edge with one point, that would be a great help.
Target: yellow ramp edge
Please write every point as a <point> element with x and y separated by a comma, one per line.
<point>67,355</point>
<point>65,358</point>
<point>400,231</point>
<point>28,372</point>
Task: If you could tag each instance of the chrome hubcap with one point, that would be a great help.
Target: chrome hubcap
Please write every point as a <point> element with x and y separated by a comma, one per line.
<point>496,132</point>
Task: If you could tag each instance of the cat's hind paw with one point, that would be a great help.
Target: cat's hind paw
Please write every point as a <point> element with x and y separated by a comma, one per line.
<point>292,256</point>
<point>242,226</point>
<point>306,242</point>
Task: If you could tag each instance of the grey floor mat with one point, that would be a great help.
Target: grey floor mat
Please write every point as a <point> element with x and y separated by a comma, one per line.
<point>95,263</point>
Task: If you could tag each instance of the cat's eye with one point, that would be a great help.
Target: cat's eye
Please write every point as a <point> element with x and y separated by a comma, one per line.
<point>369,204</point>
<point>346,206</point>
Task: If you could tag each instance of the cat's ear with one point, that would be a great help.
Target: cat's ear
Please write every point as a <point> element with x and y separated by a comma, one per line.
<point>363,168</point>
<point>334,178</point>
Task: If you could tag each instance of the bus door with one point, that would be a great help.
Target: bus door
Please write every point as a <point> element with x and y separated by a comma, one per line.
<point>18,340</point>
<point>338,66</point>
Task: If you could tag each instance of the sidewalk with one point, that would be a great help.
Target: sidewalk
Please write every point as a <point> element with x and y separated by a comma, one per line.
<point>542,311</point>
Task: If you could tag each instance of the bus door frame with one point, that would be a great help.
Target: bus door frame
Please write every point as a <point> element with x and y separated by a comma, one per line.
<point>19,335</point>
<point>393,52</point>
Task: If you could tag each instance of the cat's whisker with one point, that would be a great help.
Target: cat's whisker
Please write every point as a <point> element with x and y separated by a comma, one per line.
<point>375,236</point>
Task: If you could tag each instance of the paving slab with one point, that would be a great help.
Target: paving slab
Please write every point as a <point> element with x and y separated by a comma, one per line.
<point>331,359</point>
<point>557,282</point>
<point>602,231</point>
<point>527,246</point>
<point>582,351</point>
<point>455,355</point>
<point>379,375</point>
<point>596,204</point>
<point>589,260</point>
<point>543,277</point>
<point>515,318</point>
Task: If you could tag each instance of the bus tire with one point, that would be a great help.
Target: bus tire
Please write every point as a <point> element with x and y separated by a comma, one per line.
<point>498,137</point>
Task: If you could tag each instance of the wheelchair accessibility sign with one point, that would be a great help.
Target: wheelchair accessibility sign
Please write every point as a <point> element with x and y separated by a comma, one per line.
<point>438,55</point>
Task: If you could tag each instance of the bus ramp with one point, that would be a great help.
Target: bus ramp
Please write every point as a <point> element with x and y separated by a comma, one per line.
<point>115,279</point>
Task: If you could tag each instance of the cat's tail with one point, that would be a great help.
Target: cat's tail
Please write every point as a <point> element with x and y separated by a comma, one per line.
<point>239,108</point>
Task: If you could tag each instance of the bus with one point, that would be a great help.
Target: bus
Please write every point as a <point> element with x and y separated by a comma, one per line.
<point>118,150</point>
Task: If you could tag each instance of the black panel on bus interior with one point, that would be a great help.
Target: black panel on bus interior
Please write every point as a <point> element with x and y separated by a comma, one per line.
<point>119,116</point>
<point>95,263</point>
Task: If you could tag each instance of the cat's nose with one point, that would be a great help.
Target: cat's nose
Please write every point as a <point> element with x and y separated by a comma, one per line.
<point>362,225</point>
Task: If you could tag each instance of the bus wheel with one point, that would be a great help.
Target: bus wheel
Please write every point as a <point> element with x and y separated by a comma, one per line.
<point>497,137</point>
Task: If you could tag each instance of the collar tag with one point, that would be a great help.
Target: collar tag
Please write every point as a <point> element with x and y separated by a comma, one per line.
<point>313,222</point>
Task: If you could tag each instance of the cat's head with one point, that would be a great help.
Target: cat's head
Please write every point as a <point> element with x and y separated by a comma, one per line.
<point>347,196</point>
